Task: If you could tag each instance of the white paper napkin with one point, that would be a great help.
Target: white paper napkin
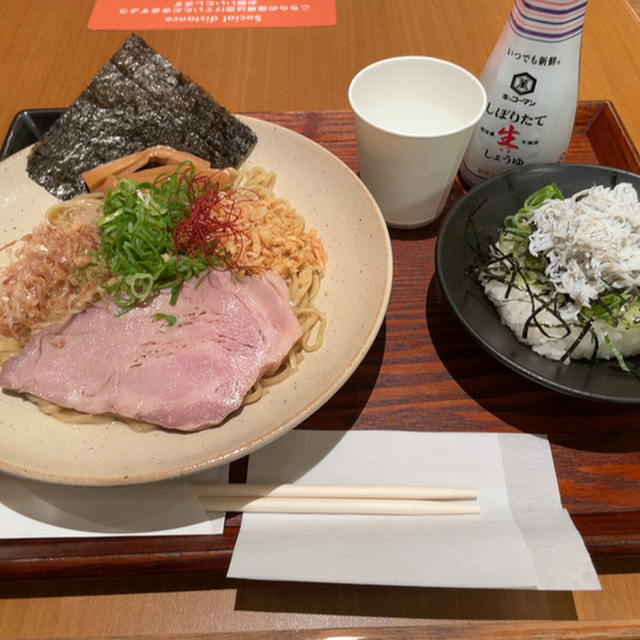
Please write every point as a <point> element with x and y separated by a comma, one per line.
<point>521,539</point>
<point>30,509</point>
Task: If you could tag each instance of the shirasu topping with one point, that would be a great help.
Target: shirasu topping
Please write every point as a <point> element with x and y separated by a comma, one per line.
<point>591,242</point>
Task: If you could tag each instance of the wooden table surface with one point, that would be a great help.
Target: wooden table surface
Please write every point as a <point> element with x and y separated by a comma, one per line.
<point>48,55</point>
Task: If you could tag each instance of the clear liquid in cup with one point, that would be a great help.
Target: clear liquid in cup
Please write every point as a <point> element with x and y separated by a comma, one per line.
<point>414,118</point>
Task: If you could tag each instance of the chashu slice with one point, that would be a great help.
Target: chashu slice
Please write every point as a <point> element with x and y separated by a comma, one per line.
<point>185,376</point>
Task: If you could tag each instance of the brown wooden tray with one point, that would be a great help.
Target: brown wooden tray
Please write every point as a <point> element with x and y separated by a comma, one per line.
<point>422,369</point>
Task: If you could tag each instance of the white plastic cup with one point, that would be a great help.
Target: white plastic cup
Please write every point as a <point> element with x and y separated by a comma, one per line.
<point>414,119</point>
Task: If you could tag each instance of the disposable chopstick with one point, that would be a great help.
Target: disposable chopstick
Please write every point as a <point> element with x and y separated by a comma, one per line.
<point>355,506</point>
<point>334,499</point>
<point>391,492</point>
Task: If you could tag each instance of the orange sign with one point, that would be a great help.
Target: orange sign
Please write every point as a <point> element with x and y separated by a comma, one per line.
<point>130,15</point>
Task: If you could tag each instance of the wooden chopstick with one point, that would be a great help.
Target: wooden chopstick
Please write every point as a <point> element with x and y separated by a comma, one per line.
<point>337,505</point>
<point>335,499</point>
<point>393,492</point>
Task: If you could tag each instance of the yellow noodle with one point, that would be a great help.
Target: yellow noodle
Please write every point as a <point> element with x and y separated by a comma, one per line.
<point>275,239</point>
<point>63,414</point>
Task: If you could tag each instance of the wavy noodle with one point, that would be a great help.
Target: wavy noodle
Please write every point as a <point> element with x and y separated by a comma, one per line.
<point>9,347</point>
<point>274,237</point>
<point>70,416</point>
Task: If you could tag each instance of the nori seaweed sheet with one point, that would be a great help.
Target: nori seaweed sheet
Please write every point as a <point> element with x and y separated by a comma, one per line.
<point>137,100</point>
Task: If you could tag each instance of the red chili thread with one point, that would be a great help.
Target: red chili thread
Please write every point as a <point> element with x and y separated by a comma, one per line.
<point>211,221</point>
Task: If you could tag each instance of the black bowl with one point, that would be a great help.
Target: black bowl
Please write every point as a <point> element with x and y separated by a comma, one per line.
<point>27,127</point>
<point>466,232</point>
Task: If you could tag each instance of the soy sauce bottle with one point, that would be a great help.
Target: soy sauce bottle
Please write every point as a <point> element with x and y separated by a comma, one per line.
<point>531,80</point>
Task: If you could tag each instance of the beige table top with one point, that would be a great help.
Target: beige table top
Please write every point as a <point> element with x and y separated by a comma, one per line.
<point>48,55</point>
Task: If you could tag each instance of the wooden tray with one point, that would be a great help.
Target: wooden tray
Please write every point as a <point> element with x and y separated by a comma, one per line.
<point>422,369</point>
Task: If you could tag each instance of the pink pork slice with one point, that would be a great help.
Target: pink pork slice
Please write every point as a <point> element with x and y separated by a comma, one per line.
<point>188,376</point>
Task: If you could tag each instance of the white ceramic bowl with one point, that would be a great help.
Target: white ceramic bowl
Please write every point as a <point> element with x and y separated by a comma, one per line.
<point>354,296</point>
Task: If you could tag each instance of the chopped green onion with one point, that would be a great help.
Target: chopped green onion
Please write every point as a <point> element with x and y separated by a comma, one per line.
<point>170,318</point>
<point>139,231</point>
<point>617,354</point>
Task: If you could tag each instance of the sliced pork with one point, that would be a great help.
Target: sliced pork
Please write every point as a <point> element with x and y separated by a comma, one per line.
<point>187,375</point>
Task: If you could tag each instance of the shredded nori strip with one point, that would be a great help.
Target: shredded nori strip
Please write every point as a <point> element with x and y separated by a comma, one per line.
<point>137,100</point>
